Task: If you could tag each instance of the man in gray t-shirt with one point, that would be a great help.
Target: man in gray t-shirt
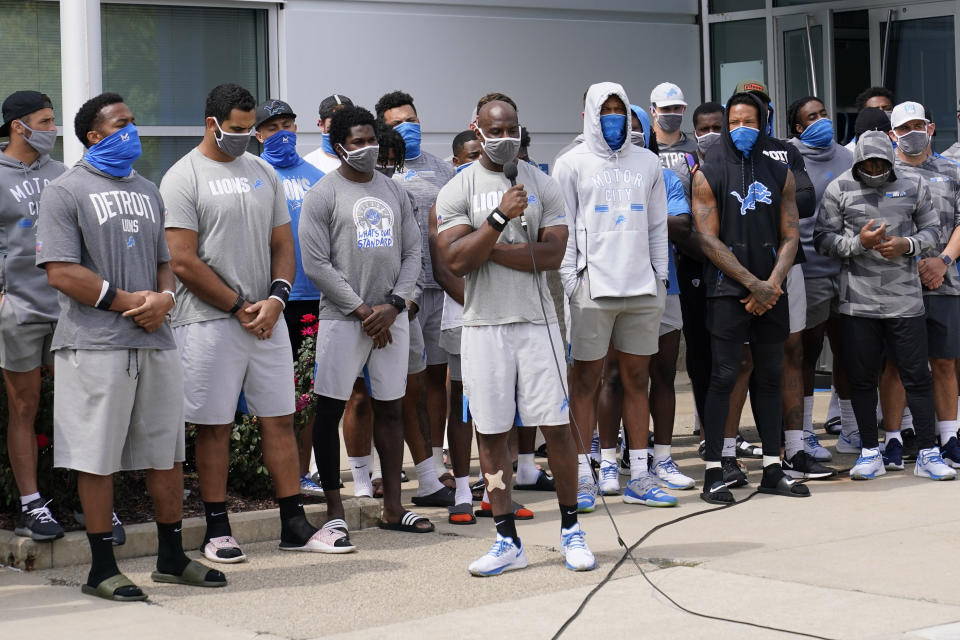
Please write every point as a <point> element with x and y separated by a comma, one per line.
<point>228,228</point>
<point>511,347</point>
<point>119,383</point>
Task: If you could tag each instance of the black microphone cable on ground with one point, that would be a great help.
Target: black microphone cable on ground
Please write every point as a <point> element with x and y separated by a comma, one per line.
<point>510,171</point>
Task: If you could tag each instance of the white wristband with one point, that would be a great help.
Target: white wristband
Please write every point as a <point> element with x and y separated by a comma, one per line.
<point>172,295</point>
<point>103,291</point>
<point>284,304</point>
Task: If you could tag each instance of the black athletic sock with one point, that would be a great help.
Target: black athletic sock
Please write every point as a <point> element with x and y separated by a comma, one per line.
<point>711,477</point>
<point>104,564</point>
<point>218,525</point>
<point>170,556</point>
<point>507,527</point>
<point>294,526</point>
<point>568,515</point>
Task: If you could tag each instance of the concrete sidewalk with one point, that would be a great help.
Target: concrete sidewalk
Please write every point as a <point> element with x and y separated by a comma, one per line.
<point>857,560</point>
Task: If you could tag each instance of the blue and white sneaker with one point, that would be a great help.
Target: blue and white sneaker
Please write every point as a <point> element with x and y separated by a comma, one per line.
<point>609,478</point>
<point>666,474</point>
<point>811,444</point>
<point>573,546</point>
<point>595,450</point>
<point>503,556</point>
<point>849,443</point>
<point>586,495</point>
<point>893,455</point>
<point>310,488</point>
<point>643,490</point>
<point>931,465</point>
<point>868,466</point>
<point>950,452</point>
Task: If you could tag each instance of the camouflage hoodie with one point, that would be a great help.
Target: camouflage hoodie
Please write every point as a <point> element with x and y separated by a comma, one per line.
<point>872,286</point>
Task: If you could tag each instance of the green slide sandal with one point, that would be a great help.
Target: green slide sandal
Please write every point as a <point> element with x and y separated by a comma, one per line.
<point>110,589</point>
<point>194,575</point>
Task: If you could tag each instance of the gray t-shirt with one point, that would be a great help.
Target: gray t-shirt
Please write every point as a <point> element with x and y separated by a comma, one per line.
<point>114,227</point>
<point>495,294</point>
<point>234,207</point>
<point>423,177</point>
<point>360,243</point>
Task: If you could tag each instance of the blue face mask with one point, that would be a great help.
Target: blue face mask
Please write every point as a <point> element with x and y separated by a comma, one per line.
<point>280,149</point>
<point>410,132</point>
<point>744,138</point>
<point>326,145</point>
<point>614,127</point>
<point>819,135</point>
<point>115,154</point>
<point>769,129</point>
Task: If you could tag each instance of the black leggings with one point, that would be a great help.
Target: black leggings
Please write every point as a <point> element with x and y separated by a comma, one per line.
<point>693,306</point>
<point>764,393</point>
<point>326,441</point>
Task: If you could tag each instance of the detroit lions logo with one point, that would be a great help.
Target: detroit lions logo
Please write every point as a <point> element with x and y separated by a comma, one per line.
<point>756,192</point>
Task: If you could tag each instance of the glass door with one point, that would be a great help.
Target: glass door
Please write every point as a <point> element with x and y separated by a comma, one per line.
<point>802,49</point>
<point>913,53</point>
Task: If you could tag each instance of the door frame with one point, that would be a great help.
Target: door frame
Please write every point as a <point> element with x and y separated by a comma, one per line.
<point>825,78</point>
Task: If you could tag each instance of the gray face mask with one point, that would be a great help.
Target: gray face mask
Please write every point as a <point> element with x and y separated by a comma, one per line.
<point>232,144</point>
<point>41,141</point>
<point>363,159</point>
<point>669,122</point>
<point>913,143</point>
<point>873,181</point>
<point>636,137</point>
<point>500,150</point>
<point>706,141</point>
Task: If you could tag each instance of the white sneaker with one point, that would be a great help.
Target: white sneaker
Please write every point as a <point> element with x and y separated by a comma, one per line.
<point>849,443</point>
<point>504,555</point>
<point>931,465</point>
<point>667,475</point>
<point>868,467</point>
<point>811,444</point>
<point>573,546</point>
<point>609,478</point>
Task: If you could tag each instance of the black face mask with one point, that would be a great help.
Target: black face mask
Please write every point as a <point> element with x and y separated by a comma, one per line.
<point>388,171</point>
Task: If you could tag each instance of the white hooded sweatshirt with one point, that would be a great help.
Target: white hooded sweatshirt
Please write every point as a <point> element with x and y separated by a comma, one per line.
<point>616,209</point>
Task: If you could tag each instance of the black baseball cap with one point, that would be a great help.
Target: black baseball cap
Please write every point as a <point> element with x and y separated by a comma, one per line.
<point>333,103</point>
<point>272,109</point>
<point>22,103</point>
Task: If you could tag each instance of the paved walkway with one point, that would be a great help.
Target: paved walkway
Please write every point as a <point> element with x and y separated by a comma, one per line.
<point>857,560</point>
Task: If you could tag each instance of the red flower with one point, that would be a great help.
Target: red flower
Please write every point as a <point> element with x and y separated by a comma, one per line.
<point>308,318</point>
<point>309,331</point>
<point>42,440</point>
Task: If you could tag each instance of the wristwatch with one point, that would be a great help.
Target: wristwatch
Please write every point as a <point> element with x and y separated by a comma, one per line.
<point>947,260</point>
<point>398,302</point>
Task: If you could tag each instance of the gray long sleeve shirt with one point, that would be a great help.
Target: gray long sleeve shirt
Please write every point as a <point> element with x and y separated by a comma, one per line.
<point>360,243</point>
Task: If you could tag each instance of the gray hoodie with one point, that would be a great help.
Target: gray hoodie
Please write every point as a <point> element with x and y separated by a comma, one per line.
<point>24,286</point>
<point>823,166</point>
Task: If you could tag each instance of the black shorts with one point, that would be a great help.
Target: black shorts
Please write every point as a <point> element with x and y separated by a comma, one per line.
<point>727,319</point>
<point>293,313</point>
<point>943,326</point>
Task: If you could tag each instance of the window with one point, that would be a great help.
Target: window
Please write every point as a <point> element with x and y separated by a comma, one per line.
<point>727,6</point>
<point>738,51</point>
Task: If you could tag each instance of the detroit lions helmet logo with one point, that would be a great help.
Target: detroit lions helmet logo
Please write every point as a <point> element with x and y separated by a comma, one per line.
<point>756,192</point>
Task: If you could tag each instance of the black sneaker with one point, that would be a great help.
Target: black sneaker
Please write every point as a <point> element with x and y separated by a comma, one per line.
<point>910,448</point>
<point>733,474</point>
<point>832,426</point>
<point>702,450</point>
<point>803,467</point>
<point>624,463</point>
<point>747,450</point>
<point>37,523</point>
<point>119,533</point>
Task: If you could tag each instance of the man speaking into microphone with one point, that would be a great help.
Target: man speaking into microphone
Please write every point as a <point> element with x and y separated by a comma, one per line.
<point>502,238</point>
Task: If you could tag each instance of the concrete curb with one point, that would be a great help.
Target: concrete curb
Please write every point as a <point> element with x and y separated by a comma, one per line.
<point>248,527</point>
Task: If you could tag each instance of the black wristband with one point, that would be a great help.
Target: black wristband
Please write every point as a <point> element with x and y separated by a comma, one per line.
<point>399,303</point>
<point>280,289</point>
<point>497,220</point>
<point>238,304</point>
<point>107,299</point>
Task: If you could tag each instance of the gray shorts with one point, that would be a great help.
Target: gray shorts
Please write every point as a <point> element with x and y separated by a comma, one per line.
<point>23,347</point>
<point>632,323</point>
<point>450,341</point>
<point>672,319</point>
<point>345,353</point>
<point>821,299</point>
<point>118,410</point>
<point>796,298</point>
<point>221,359</point>
<point>417,360</point>
<point>431,311</point>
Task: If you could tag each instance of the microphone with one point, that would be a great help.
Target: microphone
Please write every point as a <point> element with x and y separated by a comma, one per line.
<point>510,171</point>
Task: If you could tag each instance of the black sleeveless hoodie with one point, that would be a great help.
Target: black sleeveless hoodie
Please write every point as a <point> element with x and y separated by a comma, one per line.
<point>747,191</point>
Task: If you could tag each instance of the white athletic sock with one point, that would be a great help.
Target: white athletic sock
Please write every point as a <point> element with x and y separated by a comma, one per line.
<point>527,471</point>
<point>890,436</point>
<point>583,466</point>
<point>946,429</point>
<point>464,496</point>
<point>729,447</point>
<point>438,460</point>
<point>833,411</point>
<point>486,496</point>
<point>427,478</point>
<point>848,420</point>
<point>25,500</point>
<point>879,411</point>
<point>638,463</point>
<point>865,453</point>
<point>360,467</point>
<point>906,422</point>
<point>375,472</point>
<point>660,451</point>
<point>794,443</point>
<point>769,460</point>
<point>808,413</point>
<point>608,455</point>
<point>713,465</point>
